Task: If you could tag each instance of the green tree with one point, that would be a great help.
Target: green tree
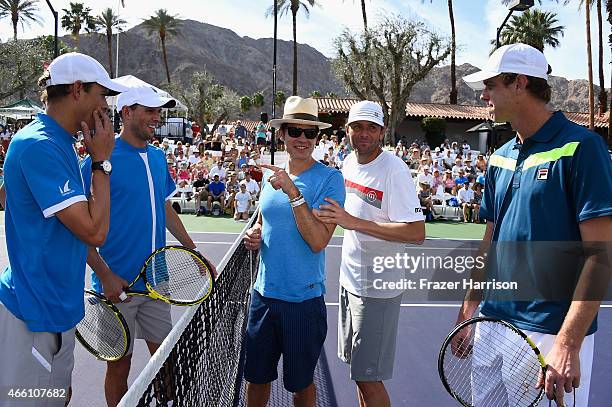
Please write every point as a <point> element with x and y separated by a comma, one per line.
<point>75,19</point>
<point>246,104</point>
<point>16,80</point>
<point>258,100</point>
<point>207,101</point>
<point>164,25</point>
<point>280,98</point>
<point>315,94</point>
<point>106,22</point>
<point>533,27</point>
<point>434,129</point>
<point>402,53</point>
<point>331,95</point>
<point>20,11</point>
<point>293,6</point>
<point>452,97</point>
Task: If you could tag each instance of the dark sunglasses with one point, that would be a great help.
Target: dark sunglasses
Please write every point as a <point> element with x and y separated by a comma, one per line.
<point>296,132</point>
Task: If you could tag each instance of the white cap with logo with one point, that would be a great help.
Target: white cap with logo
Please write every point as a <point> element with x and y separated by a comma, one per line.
<point>73,66</point>
<point>366,110</point>
<point>145,96</point>
<point>514,58</point>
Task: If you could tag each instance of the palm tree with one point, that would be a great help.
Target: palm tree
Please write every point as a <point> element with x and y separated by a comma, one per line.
<point>106,21</point>
<point>363,14</point>
<point>453,71</point>
<point>164,25</point>
<point>284,6</point>
<point>75,19</point>
<point>533,27</point>
<point>20,11</point>
<point>603,95</point>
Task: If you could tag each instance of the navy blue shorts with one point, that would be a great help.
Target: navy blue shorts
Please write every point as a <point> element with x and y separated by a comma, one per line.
<point>296,330</point>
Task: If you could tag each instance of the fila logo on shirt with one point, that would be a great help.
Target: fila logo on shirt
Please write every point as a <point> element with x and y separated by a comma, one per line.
<point>543,174</point>
<point>66,189</point>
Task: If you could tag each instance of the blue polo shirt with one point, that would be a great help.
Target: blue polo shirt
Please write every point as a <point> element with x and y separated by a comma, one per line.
<point>288,269</point>
<point>539,192</point>
<point>140,185</point>
<point>216,188</point>
<point>43,285</point>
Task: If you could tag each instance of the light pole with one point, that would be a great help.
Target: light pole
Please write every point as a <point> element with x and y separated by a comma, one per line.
<point>516,5</point>
<point>55,17</point>
<point>273,138</point>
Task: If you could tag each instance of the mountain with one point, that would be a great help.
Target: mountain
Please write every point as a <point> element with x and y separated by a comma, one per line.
<point>245,65</point>
<point>240,63</point>
<point>567,95</point>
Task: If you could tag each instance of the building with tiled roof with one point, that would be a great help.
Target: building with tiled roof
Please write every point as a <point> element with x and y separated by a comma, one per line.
<point>459,119</point>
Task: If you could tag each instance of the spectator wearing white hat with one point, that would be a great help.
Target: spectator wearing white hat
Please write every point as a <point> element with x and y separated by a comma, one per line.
<point>49,210</point>
<point>381,206</point>
<point>141,211</point>
<point>425,177</point>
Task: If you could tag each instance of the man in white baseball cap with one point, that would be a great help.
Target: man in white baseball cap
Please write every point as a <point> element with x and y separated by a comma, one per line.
<point>140,212</point>
<point>379,190</point>
<point>514,58</point>
<point>537,190</point>
<point>50,210</point>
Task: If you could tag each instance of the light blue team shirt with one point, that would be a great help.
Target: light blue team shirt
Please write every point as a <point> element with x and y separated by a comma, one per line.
<point>288,269</point>
<point>139,185</point>
<point>43,285</point>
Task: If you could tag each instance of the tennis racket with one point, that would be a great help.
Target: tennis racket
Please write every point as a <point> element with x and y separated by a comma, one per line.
<point>489,362</point>
<point>175,275</point>
<point>103,331</point>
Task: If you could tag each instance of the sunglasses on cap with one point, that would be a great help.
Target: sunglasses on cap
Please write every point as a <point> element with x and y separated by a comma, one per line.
<point>296,132</point>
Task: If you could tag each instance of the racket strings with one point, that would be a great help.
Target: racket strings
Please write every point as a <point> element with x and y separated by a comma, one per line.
<point>492,366</point>
<point>179,275</point>
<point>102,330</point>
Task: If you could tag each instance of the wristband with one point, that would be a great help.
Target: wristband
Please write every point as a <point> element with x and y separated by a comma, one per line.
<point>297,198</point>
<point>297,202</point>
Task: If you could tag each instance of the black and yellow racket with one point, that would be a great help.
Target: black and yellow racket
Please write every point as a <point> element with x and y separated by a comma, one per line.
<point>176,275</point>
<point>103,330</point>
<point>487,362</point>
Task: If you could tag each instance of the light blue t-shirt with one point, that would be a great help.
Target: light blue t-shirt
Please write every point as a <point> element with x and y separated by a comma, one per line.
<point>139,185</point>
<point>43,285</point>
<point>288,269</point>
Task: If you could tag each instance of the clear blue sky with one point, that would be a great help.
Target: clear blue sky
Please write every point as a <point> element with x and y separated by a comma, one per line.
<point>475,20</point>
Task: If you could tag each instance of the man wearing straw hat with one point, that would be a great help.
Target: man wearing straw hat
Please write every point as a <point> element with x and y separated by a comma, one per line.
<point>287,315</point>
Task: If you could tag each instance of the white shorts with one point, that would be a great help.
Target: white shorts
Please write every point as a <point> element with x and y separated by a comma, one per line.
<point>489,379</point>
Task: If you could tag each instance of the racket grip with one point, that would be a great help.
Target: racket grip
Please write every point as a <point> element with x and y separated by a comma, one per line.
<point>123,296</point>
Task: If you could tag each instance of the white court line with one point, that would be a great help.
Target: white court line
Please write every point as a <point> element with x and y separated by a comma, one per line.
<point>335,304</point>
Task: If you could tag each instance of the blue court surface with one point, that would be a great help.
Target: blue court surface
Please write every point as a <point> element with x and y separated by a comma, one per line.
<point>421,332</point>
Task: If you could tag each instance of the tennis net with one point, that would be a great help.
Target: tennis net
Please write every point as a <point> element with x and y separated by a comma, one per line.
<point>199,363</point>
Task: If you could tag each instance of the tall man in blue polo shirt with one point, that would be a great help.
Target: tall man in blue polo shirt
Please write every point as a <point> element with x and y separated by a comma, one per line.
<point>141,188</point>
<point>49,223</point>
<point>539,188</point>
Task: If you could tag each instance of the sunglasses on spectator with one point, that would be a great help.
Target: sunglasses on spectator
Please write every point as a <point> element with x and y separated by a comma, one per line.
<point>296,132</point>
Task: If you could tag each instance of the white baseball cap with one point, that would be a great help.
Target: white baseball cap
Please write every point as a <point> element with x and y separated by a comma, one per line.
<point>514,58</point>
<point>144,96</point>
<point>73,66</point>
<point>366,110</point>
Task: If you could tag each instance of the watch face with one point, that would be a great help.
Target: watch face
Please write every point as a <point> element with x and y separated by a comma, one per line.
<point>106,166</point>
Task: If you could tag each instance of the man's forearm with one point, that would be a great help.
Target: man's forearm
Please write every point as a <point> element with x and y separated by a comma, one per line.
<point>177,229</point>
<point>413,232</point>
<point>313,231</point>
<point>99,203</point>
<point>97,263</point>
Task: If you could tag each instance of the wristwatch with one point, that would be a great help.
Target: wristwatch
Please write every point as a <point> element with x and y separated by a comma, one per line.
<point>104,166</point>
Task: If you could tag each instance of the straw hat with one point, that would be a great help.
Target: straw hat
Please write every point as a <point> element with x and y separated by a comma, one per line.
<point>300,111</point>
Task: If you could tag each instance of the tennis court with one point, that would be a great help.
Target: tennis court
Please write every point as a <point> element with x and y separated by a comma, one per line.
<point>422,329</point>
